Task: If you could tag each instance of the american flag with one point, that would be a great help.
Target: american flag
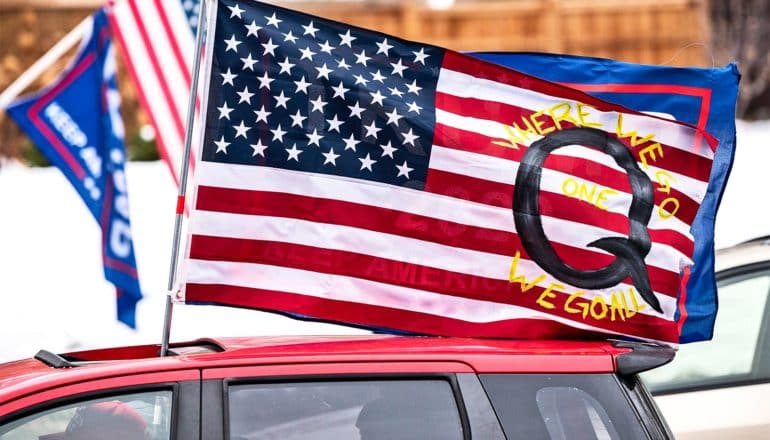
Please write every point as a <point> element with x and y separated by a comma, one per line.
<point>157,39</point>
<point>351,176</point>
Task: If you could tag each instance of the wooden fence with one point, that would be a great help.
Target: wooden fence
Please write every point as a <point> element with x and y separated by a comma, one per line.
<point>673,32</point>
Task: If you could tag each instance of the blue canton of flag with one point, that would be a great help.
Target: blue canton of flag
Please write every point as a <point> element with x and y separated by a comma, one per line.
<point>296,94</point>
<point>76,124</point>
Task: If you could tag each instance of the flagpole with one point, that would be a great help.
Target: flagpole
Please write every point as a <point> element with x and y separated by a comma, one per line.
<point>183,179</point>
<point>54,53</point>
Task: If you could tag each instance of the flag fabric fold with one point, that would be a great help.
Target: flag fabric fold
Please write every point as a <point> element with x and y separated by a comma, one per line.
<point>76,124</point>
<point>351,176</point>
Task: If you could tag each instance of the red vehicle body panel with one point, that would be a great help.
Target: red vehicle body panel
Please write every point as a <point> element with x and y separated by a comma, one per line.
<point>22,383</point>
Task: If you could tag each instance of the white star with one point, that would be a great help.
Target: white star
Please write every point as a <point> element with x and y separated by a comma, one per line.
<point>293,152</point>
<point>278,133</point>
<point>355,110</point>
<point>404,170</point>
<point>241,130</point>
<point>323,71</point>
<point>342,64</point>
<point>346,39</point>
<point>395,92</point>
<point>302,85</point>
<point>264,81</point>
<point>273,20</point>
<point>306,53</point>
<point>383,47</point>
<point>413,88</point>
<point>262,114</point>
<point>252,29</point>
<point>339,91</point>
<point>387,150</point>
<point>367,162</point>
<point>413,107</point>
<point>393,117</point>
<point>224,111</point>
<point>318,104</point>
<point>377,76</point>
<point>398,68</point>
<point>289,37</point>
<point>281,100</point>
<point>361,80</point>
<point>314,138</point>
<point>232,44</point>
<point>259,149</point>
<point>361,58</point>
<point>297,119</point>
<point>285,66</point>
<point>228,77</point>
<point>248,62</point>
<point>334,124</point>
<point>377,97</point>
<point>372,130</point>
<point>326,47</point>
<point>221,145</point>
<point>245,95</point>
<point>270,47</point>
<point>330,157</point>
<point>235,11</point>
<point>309,29</point>
<point>410,137</point>
<point>420,56</point>
<point>350,143</point>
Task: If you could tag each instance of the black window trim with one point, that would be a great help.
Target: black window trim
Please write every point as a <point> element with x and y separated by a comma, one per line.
<point>451,378</point>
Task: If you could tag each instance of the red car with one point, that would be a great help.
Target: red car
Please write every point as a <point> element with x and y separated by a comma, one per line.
<point>364,387</point>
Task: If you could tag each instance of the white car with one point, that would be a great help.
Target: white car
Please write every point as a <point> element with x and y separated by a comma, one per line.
<point>720,389</point>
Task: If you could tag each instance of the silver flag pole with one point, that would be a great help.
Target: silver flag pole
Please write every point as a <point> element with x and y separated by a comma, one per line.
<point>203,22</point>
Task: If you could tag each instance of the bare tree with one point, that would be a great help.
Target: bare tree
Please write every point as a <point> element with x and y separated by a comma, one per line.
<point>741,31</point>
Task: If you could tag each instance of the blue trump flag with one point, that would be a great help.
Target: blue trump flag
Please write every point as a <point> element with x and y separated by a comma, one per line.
<point>76,124</point>
<point>702,97</point>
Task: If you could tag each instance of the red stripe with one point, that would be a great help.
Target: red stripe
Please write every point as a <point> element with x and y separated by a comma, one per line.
<point>673,159</point>
<point>152,111</point>
<point>157,69</point>
<point>173,40</point>
<point>390,318</point>
<point>457,139</point>
<point>402,224</point>
<point>551,205</point>
<point>413,276</point>
<point>482,69</point>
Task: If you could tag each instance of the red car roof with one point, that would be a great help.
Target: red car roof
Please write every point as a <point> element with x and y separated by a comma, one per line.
<point>483,356</point>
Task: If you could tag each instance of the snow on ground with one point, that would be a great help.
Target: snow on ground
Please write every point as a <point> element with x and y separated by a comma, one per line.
<point>53,294</point>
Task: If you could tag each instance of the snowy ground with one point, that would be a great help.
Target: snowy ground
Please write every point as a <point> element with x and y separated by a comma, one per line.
<point>53,294</point>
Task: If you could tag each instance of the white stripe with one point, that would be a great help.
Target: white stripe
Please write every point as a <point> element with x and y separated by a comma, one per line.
<point>693,188</point>
<point>170,71</point>
<point>411,201</point>
<point>181,30</point>
<point>669,133</point>
<point>388,246</point>
<point>341,288</point>
<point>149,83</point>
<point>504,171</point>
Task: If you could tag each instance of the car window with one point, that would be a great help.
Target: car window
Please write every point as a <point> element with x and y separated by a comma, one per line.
<point>140,416</point>
<point>730,357</point>
<point>344,410</point>
<point>562,406</point>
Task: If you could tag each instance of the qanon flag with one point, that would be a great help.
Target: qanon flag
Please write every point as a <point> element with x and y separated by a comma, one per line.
<point>351,176</point>
<point>76,124</point>
<point>702,97</point>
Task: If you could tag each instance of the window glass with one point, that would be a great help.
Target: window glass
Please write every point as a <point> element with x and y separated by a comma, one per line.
<point>345,410</point>
<point>140,416</point>
<point>729,356</point>
<point>562,406</point>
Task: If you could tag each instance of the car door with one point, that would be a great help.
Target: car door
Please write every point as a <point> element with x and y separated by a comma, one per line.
<point>152,406</point>
<point>347,401</point>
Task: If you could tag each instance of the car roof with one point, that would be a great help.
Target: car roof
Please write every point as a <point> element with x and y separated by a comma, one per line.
<point>743,254</point>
